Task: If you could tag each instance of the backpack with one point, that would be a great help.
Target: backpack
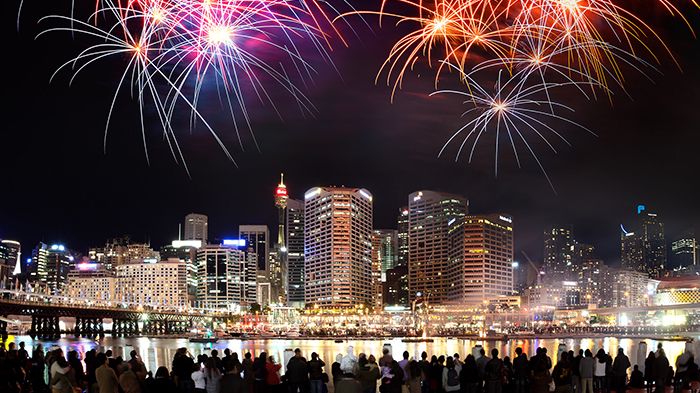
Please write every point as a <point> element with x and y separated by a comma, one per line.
<point>452,377</point>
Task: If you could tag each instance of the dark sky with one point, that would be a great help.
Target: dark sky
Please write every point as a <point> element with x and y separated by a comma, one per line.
<point>59,185</point>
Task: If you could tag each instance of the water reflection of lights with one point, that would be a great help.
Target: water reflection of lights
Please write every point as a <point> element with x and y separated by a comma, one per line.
<point>159,352</point>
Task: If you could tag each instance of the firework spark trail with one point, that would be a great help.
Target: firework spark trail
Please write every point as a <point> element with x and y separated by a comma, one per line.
<point>177,49</point>
<point>514,107</point>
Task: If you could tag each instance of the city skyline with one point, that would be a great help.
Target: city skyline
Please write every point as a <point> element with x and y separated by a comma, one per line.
<point>646,152</point>
<point>608,250</point>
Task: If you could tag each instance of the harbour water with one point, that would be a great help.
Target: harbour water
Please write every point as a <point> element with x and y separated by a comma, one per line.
<point>157,352</point>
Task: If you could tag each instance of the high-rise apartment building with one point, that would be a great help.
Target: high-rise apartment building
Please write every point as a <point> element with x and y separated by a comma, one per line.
<point>480,268</point>
<point>227,277</point>
<point>429,215</point>
<point>402,237</point>
<point>644,248</point>
<point>197,227</point>
<point>294,243</point>
<point>338,247</point>
<point>558,252</point>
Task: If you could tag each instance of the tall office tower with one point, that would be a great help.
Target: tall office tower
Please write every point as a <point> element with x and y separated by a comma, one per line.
<point>58,264</point>
<point>387,248</point>
<point>10,266</point>
<point>377,289</point>
<point>186,252</point>
<point>163,283</point>
<point>276,277</point>
<point>37,268</point>
<point>338,247</point>
<point>257,238</point>
<point>396,287</point>
<point>429,216</point>
<point>558,253</point>
<point>227,277</point>
<point>481,259</point>
<point>402,237</point>
<point>644,248</point>
<point>684,251</point>
<point>295,253</point>
<point>197,227</point>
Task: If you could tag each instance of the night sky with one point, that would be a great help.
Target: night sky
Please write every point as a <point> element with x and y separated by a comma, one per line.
<point>58,185</point>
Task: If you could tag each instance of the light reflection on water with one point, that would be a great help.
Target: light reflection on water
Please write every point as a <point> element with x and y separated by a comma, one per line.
<point>157,352</point>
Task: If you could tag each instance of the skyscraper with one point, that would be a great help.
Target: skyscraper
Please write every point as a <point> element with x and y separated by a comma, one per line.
<point>257,238</point>
<point>196,227</point>
<point>295,252</point>
<point>644,248</point>
<point>429,215</point>
<point>387,248</point>
<point>10,254</point>
<point>37,269</point>
<point>338,247</point>
<point>58,264</point>
<point>481,259</point>
<point>558,252</point>
<point>402,237</point>
<point>684,251</point>
<point>227,277</point>
<point>186,252</point>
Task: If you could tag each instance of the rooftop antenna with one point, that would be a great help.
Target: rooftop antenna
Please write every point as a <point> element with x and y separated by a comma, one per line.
<point>179,231</point>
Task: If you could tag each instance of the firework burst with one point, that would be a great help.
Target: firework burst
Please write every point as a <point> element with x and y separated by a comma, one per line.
<point>178,50</point>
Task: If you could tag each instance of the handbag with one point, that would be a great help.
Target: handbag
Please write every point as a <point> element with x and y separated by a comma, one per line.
<point>324,378</point>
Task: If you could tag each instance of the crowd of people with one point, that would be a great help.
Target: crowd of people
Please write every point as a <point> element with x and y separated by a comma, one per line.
<point>582,372</point>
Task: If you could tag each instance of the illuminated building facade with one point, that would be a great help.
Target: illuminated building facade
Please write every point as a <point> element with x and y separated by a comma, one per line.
<point>227,276</point>
<point>91,281</point>
<point>257,239</point>
<point>384,257</point>
<point>558,252</point>
<point>678,290</point>
<point>163,283</point>
<point>37,268</point>
<point>295,253</point>
<point>644,249</point>
<point>10,254</point>
<point>338,247</point>
<point>58,264</point>
<point>185,251</point>
<point>629,288</point>
<point>197,227</point>
<point>402,237</point>
<point>593,277</point>
<point>429,215</point>
<point>141,252</point>
<point>480,267</point>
